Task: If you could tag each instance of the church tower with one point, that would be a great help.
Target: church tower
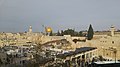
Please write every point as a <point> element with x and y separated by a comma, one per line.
<point>112,29</point>
<point>30,29</point>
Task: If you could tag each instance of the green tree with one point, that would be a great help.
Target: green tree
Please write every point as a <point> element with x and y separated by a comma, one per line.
<point>58,33</point>
<point>80,33</point>
<point>90,32</point>
<point>69,32</point>
<point>62,32</point>
<point>51,33</point>
<point>76,33</point>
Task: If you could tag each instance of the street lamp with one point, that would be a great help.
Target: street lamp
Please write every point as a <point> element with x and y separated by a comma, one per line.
<point>115,52</point>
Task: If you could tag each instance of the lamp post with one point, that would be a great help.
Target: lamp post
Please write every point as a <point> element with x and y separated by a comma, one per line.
<point>103,51</point>
<point>115,51</point>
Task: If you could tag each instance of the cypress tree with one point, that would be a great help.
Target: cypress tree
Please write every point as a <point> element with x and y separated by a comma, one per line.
<point>90,32</point>
<point>62,32</point>
<point>58,33</point>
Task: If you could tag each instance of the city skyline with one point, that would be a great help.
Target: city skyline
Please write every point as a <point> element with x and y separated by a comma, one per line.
<point>18,15</point>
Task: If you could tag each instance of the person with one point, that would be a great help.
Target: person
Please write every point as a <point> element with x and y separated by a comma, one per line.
<point>93,60</point>
<point>83,63</point>
<point>78,62</point>
<point>86,64</point>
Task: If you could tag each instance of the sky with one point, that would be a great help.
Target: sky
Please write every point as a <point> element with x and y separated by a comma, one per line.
<point>18,15</point>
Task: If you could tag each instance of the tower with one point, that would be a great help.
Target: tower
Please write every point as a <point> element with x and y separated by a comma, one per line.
<point>30,29</point>
<point>112,29</point>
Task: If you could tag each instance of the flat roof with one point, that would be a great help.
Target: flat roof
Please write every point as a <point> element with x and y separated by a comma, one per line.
<point>106,62</point>
<point>84,49</point>
<point>77,51</point>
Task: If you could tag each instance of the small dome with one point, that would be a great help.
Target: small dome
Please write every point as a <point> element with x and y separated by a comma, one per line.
<point>112,26</point>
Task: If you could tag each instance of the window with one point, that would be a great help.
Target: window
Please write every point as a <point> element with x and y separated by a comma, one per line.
<point>112,42</point>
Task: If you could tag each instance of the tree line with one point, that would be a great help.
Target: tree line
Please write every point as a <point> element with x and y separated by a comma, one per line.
<point>72,32</point>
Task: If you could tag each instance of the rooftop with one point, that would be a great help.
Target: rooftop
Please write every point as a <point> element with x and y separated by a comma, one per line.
<point>106,62</point>
<point>77,51</point>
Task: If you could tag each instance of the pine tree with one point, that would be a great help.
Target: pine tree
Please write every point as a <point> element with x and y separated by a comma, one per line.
<point>62,32</point>
<point>90,32</point>
<point>58,33</point>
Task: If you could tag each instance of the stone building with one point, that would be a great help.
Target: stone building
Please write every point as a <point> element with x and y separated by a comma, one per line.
<point>108,45</point>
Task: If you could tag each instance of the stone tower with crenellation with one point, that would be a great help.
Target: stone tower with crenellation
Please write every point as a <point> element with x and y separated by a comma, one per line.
<point>112,29</point>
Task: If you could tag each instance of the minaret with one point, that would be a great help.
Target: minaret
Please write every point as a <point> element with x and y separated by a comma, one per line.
<point>112,29</point>
<point>30,29</point>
